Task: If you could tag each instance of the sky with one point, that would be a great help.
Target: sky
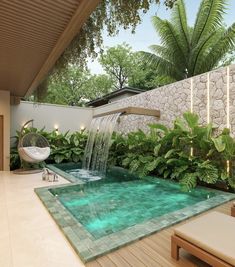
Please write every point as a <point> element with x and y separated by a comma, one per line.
<point>145,34</point>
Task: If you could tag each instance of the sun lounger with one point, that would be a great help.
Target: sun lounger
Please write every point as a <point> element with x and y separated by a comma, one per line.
<point>210,237</point>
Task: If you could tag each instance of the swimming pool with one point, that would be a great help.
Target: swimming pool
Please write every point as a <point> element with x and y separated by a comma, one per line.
<point>107,213</point>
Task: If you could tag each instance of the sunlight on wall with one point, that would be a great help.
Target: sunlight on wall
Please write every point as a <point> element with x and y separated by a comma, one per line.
<point>228,98</point>
<point>191,94</point>
<point>228,111</point>
<point>208,97</point>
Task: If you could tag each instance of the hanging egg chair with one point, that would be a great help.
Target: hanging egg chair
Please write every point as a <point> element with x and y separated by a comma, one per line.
<point>32,147</point>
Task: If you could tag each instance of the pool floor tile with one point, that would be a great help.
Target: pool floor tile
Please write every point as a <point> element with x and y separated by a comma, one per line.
<point>90,247</point>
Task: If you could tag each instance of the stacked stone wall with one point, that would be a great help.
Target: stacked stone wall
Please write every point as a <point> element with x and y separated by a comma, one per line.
<point>208,99</point>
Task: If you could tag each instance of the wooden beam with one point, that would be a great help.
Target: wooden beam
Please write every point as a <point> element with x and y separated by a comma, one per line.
<point>83,11</point>
<point>133,111</point>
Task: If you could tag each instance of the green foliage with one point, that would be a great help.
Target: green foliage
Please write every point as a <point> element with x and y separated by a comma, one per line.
<point>64,147</point>
<point>143,77</point>
<point>110,15</point>
<point>189,153</point>
<point>185,51</point>
<point>119,63</point>
<point>74,86</point>
<point>126,68</point>
<point>100,84</point>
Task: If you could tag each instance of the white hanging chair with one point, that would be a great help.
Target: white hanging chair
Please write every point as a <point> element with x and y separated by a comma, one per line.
<point>32,147</point>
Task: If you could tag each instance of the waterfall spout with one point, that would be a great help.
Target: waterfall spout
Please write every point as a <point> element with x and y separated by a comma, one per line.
<point>98,143</point>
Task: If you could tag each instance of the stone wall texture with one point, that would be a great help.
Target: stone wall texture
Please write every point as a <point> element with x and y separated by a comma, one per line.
<point>208,99</point>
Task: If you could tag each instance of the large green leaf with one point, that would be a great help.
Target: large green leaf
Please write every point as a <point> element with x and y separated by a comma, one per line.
<point>170,153</point>
<point>180,124</point>
<point>158,126</point>
<point>207,172</point>
<point>134,165</point>
<point>219,143</point>
<point>231,181</point>
<point>209,18</point>
<point>191,119</point>
<point>189,181</point>
<point>180,18</point>
<point>229,144</point>
<point>59,158</point>
<point>151,166</point>
<point>156,149</point>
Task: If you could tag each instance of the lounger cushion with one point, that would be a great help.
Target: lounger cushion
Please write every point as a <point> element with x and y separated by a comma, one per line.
<point>214,233</point>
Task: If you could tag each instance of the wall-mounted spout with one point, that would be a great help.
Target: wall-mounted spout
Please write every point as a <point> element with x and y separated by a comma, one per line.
<point>132,111</point>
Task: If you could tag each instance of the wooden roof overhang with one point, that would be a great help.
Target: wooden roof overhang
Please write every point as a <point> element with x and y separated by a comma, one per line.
<point>33,35</point>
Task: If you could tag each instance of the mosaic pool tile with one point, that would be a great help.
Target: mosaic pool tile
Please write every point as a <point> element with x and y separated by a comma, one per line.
<point>89,247</point>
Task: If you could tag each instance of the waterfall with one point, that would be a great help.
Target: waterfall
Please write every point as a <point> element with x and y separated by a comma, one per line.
<point>98,143</point>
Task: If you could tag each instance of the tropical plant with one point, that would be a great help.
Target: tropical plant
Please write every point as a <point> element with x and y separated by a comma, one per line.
<point>110,15</point>
<point>144,78</point>
<point>187,51</point>
<point>64,147</point>
<point>189,153</point>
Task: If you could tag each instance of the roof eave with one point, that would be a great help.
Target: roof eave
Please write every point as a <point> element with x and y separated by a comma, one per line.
<point>83,11</point>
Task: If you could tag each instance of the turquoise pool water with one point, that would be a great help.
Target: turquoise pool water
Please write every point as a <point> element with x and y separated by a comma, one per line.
<point>121,200</point>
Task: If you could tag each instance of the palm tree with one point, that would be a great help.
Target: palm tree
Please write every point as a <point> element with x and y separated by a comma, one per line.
<point>187,51</point>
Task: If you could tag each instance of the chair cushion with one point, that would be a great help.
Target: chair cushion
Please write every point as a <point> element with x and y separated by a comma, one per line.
<point>213,232</point>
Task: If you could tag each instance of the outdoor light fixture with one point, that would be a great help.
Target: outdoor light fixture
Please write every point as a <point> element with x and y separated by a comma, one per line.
<point>56,127</point>
<point>227,167</point>
<point>82,127</point>
<point>191,108</point>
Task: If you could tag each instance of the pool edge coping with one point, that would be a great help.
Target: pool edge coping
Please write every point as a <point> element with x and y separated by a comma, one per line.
<point>89,248</point>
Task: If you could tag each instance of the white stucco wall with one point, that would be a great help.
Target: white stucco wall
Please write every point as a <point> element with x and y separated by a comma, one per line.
<point>50,116</point>
<point>5,111</point>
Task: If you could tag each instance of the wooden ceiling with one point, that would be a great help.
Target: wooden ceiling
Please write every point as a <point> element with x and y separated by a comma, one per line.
<point>33,34</point>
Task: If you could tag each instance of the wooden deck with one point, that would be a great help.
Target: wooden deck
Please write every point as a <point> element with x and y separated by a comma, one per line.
<point>152,251</point>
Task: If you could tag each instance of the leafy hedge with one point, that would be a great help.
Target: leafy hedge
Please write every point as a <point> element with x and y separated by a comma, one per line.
<point>189,153</point>
<point>64,147</point>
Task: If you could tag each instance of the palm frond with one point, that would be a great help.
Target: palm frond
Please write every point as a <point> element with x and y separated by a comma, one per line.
<point>209,17</point>
<point>169,55</point>
<point>179,16</point>
<point>220,48</point>
<point>169,36</point>
<point>201,50</point>
<point>163,66</point>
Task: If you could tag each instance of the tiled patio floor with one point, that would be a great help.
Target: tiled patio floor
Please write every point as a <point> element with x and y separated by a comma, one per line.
<point>28,235</point>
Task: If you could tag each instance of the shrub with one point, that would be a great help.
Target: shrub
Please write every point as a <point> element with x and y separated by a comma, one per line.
<point>64,147</point>
<point>189,153</point>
